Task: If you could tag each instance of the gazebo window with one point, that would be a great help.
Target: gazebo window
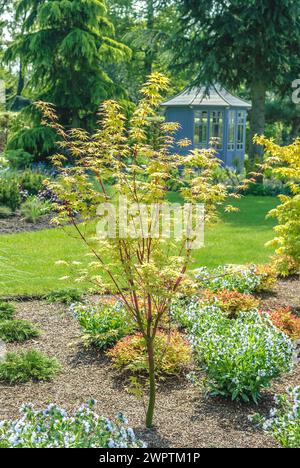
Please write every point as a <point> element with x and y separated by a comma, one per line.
<point>231,130</point>
<point>216,127</point>
<point>201,129</point>
<point>241,122</point>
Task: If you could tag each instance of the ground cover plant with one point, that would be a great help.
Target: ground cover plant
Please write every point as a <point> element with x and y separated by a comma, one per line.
<point>55,428</point>
<point>28,365</point>
<point>104,324</point>
<point>241,356</point>
<point>283,422</point>
<point>7,311</point>
<point>65,296</point>
<point>17,331</point>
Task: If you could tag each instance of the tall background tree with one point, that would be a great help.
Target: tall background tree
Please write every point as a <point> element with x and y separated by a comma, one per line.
<point>62,50</point>
<point>64,46</point>
<point>255,43</point>
<point>146,26</point>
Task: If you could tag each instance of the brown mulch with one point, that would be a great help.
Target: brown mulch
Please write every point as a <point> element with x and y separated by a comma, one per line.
<point>285,294</point>
<point>16,223</point>
<point>184,416</point>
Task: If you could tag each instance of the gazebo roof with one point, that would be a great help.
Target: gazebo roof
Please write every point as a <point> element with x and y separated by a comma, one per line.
<point>213,96</point>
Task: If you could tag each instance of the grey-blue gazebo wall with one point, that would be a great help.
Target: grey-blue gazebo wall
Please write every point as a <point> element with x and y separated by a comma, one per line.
<point>186,118</point>
<point>184,107</point>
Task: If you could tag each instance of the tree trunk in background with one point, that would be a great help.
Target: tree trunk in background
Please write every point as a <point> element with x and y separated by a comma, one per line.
<point>258,119</point>
<point>295,130</point>
<point>21,83</point>
<point>150,26</point>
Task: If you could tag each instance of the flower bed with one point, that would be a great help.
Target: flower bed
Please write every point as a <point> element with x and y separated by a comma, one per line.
<point>245,279</point>
<point>283,422</point>
<point>54,428</point>
<point>240,357</point>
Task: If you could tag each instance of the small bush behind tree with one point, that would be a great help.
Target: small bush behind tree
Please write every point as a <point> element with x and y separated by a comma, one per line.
<point>104,324</point>
<point>173,354</point>
<point>137,159</point>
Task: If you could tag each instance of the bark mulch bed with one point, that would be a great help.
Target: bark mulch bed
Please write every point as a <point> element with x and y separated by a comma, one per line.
<point>286,293</point>
<point>184,416</point>
<point>16,223</point>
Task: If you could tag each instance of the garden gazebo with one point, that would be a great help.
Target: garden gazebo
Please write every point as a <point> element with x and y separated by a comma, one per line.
<point>213,112</point>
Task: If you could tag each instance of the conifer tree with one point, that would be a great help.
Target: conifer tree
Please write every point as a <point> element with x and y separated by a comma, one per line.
<point>64,46</point>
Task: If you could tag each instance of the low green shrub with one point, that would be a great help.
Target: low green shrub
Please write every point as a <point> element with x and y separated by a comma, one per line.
<point>30,181</point>
<point>10,193</point>
<point>26,366</point>
<point>245,279</point>
<point>17,331</point>
<point>242,356</point>
<point>65,296</point>
<point>5,212</point>
<point>105,324</point>
<point>54,428</point>
<point>172,354</point>
<point>34,208</point>
<point>18,159</point>
<point>283,422</point>
<point>270,188</point>
<point>7,311</point>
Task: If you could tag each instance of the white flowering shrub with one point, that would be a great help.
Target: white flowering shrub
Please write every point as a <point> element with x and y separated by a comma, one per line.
<point>240,356</point>
<point>283,422</point>
<point>245,279</point>
<point>54,428</point>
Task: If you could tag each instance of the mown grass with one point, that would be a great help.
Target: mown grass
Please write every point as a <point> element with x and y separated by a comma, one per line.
<point>28,259</point>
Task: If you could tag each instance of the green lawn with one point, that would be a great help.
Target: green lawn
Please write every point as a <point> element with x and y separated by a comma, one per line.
<point>28,259</point>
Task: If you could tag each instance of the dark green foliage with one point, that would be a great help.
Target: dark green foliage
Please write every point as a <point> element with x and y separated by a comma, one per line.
<point>30,181</point>
<point>37,140</point>
<point>10,193</point>
<point>26,366</point>
<point>5,212</point>
<point>105,324</point>
<point>13,183</point>
<point>17,331</point>
<point>240,42</point>
<point>271,189</point>
<point>18,159</point>
<point>7,311</point>
<point>65,296</point>
<point>66,44</point>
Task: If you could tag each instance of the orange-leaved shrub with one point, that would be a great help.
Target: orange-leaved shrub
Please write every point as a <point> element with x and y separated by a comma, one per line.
<point>285,320</point>
<point>172,353</point>
<point>231,302</point>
